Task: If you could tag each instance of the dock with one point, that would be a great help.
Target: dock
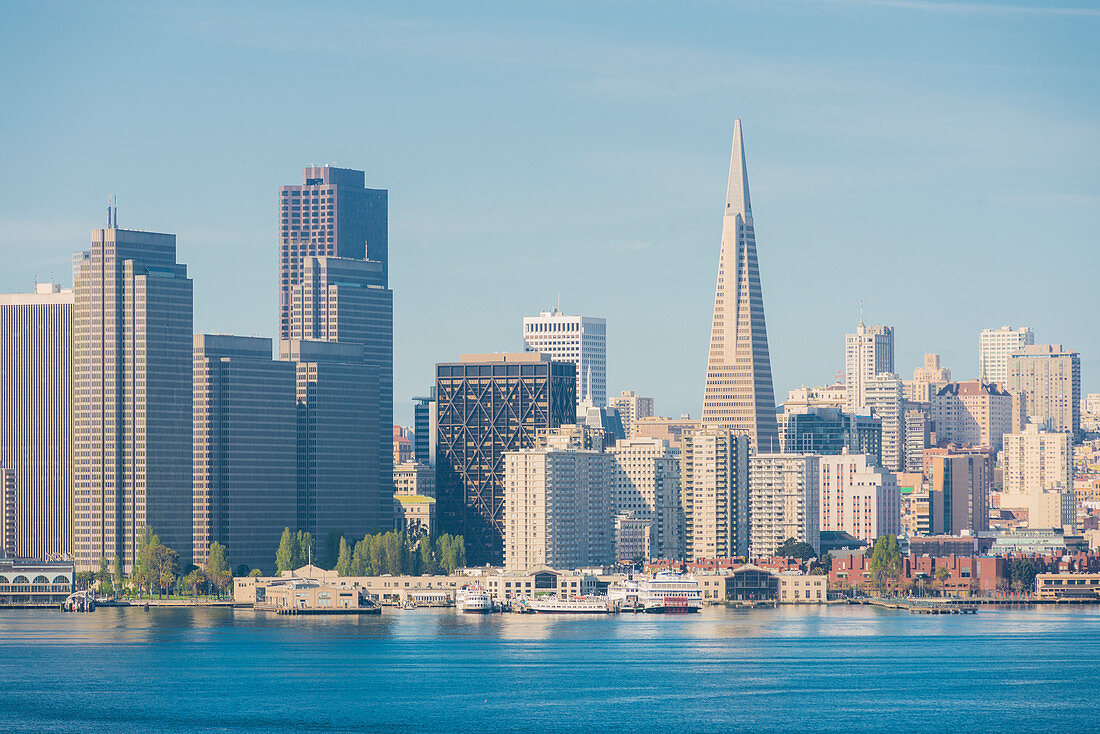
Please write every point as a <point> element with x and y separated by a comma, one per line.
<point>920,606</point>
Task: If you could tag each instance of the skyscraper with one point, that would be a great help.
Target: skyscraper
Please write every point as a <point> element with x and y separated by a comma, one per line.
<point>739,393</point>
<point>882,394</point>
<point>245,438</point>
<point>631,409</point>
<point>488,404</point>
<point>581,340</point>
<point>36,432</point>
<point>994,347</point>
<point>867,353</point>
<point>331,214</point>
<point>132,423</point>
<point>1050,379</point>
<point>714,493</point>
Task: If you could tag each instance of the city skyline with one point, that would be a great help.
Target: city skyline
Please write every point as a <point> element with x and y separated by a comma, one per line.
<point>636,204</point>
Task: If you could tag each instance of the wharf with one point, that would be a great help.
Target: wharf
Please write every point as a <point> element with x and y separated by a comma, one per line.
<point>920,606</point>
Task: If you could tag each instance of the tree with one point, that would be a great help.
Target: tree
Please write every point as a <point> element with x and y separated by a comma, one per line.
<point>306,553</point>
<point>255,572</point>
<point>886,561</point>
<point>459,545</point>
<point>83,579</point>
<point>144,576</point>
<point>241,570</point>
<point>793,548</point>
<point>103,576</point>
<point>343,559</point>
<point>163,566</point>
<point>330,554</point>
<point>428,563</point>
<point>822,567</point>
<point>217,567</point>
<point>116,572</point>
<point>195,581</point>
<point>1022,572</point>
<point>941,575</point>
<point>284,557</point>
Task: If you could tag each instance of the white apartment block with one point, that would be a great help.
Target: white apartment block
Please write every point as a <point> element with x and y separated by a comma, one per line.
<point>631,407</point>
<point>647,487</point>
<point>784,501</point>
<point>994,348</point>
<point>581,340</point>
<point>858,498</point>
<point>557,507</point>
<point>714,492</point>
<point>1034,460</point>
<point>883,395</point>
<point>867,353</point>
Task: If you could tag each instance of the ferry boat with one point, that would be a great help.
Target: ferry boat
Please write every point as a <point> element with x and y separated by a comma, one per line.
<point>664,592</point>
<point>577,605</point>
<point>473,599</point>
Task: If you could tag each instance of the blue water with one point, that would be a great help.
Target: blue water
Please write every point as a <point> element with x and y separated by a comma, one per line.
<point>840,669</point>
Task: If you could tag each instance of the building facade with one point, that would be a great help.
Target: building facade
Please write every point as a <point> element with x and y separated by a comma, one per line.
<point>867,353</point>
<point>631,409</point>
<point>973,413</point>
<point>883,395</point>
<point>132,421</point>
<point>581,340</point>
<point>994,348</point>
<point>488,404</point>
<point>1049,377</point>
<point>245,443</point>
<point>36,419</point>
<point>958,494</point>
<point>830,431</point>
<point>783,501</point>
<point>1036,460</point>
<point>714,493</point>
<point>858,498</point>
<point>646,476</point>
<point>739,394</point>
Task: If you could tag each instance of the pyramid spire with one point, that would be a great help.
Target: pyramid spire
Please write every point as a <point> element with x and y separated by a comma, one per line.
<point>737,190</point>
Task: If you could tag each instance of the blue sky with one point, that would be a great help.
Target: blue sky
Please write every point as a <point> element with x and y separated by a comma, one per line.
<point>939,161</point>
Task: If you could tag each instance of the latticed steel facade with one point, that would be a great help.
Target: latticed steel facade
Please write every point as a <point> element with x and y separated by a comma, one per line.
<point>489,404</point>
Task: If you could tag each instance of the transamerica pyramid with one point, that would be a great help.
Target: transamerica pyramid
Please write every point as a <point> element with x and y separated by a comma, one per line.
<point>739,393</point>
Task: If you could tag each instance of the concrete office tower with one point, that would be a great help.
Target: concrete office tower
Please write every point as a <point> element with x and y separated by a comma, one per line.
<point>714,492</point>
<point>739,393</point>
<point>132,448</point>
<point>631,409</point>
<point>424,420</point>
<point>858,498</point>
<point>784,501</point>
<point>867,353</point>
<point>994,348</point>
<point>581,340</point>
<point>647,487</point>
<point>330,214</point>
<point>347,301</point>
<point>972,413</point>
<point>557,506</point>
<point>1035,460</point>
<point>338,477</point>
<point>488,404</point>
<point>36,419</point>
<point>958,496</point>
<point>830,431</point>
<point>245,443</point>
<point>1050,379</point>
<point>882,394</point>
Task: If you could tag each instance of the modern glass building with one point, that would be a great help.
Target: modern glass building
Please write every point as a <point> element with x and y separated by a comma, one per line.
<point>830,431</point>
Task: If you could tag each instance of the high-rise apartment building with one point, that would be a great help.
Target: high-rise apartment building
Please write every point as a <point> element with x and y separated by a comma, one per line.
<point>714,492</point>
<point>958,494</point>
<point>917,426</point>
<point>994,348</point>
<point>7,513</point>
<point>1049,378</point>
<point>867,353</point>
<point>557,506</point>
<point>331,214</point>
<point>739,394</point>
<point>245,443</point>
<point>36,419</point>
<point>672,430</point>
<point>632,408</point>
<point>784,501</point>
<point>972,413</point>
<point>1035,460</point>
<point>883,395</point>
<point>858,497</point>
<point>132,422</point>
<point>338,478</point>
<point>927,380</point>
<point>581,340</point>
<point>647,487</point>
<point>830,431</point>
<point>346,300</point>
<point>488,404</point>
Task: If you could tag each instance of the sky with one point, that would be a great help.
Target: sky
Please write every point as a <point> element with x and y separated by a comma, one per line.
<point>939,162</point>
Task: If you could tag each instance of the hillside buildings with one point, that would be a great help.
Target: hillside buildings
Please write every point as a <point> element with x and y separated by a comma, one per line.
<point>994,348</point>
<point>36,436</point>
<point>739,393</point>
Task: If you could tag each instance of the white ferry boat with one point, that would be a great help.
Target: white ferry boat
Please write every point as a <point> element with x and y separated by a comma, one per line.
<point>664,592</point>
<point>578,605</point>
<point>473,599</point>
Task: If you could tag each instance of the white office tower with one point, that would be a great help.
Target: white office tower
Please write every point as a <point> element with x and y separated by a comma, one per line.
<point>1034,460</point>
<point>784,501</point>
<point>557,506</point>
<point>858,498</point>
<point>714,492</point>
<point>994,348</point>
<point>647,488</point>
<point>883,395</point>
<point>631,408</point>
<point>867,353</point>
<point>581,340</point>
<point>36,434</point>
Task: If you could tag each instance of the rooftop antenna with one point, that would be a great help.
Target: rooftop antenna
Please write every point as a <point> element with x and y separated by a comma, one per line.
<point>114,218</point>
<point>861,312</point>
<point>108,211</point>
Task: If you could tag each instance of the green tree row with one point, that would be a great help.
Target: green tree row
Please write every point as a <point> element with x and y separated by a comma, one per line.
<point>395,553</point>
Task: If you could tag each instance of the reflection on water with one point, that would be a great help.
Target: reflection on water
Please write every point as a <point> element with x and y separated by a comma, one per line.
<point>832,668</point>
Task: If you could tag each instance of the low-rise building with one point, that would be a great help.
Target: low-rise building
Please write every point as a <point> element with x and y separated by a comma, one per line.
<point>33,584</point>
<point>802,589</point>
<point>1053,586</point>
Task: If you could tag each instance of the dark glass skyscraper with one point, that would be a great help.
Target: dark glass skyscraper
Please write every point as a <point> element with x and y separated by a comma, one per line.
<point>488,404</point>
